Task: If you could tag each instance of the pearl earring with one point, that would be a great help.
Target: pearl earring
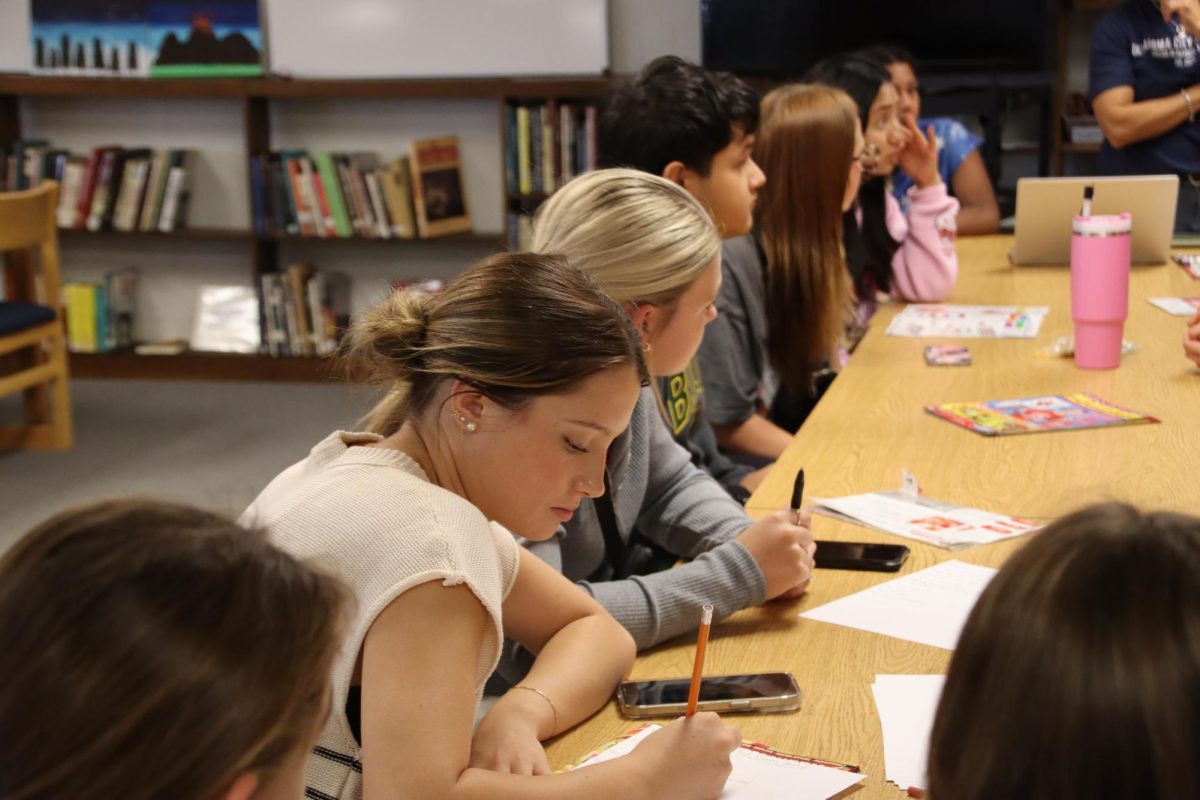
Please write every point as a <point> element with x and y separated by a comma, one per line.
<point>646,348</point>
<point>471,426</point>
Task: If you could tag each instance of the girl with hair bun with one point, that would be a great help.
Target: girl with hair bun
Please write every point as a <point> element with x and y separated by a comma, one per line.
<point>504,394</point>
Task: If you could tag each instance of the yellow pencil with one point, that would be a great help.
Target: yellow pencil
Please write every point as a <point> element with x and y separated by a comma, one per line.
<point>698,668</point>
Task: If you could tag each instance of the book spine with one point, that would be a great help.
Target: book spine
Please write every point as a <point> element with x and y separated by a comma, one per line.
<point>172,197</point>
<point>536,161</point>
<point>100,190</point>
<point>566,140</point>
<point>382,229</point>
<point>550,172</point>
<point>524,168</point>
<point>68,204</point>
<point>103,332</point>
<point>156,183</point>
<point>589,121</point>
<point>333,193</point>
<point>511,179</point>
<point>258,196</point>
<point>315,197</point>
<point>296,183</point>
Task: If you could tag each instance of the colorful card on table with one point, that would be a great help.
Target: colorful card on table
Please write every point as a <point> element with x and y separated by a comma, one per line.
<point>1190,263</point>
<point>924,519</point>
<point>1060,412</point>
<point>759,773</point>
<point>1177,306</point>
<point>968,322</point>
<point>947,355</point>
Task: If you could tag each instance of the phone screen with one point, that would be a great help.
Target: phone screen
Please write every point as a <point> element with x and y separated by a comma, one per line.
<point>723,687</point>
<point>839,553</point>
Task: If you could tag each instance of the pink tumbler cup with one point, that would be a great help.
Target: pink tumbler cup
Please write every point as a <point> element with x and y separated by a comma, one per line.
<point>1100,288</point>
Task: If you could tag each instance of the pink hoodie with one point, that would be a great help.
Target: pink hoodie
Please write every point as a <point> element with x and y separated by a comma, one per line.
<point>926,265</point>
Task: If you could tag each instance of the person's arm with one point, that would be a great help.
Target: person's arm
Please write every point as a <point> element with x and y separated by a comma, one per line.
<point>419,664</point>
<point>582,653</point>
<point>978,213</point>
<point>1126,122</point>
<point>925,265</point>
<point>1191,340</point>
<point>756,436</point>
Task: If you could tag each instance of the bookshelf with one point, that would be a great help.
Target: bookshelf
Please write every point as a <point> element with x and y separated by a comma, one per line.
<point>256,96</point>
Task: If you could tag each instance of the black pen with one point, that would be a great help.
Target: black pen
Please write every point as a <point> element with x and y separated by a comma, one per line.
<point>798,490</point>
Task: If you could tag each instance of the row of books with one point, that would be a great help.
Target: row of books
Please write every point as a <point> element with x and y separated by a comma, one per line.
<point>302,311</point>
<point>102,316</point>
<point>519,229</point>
<point>357,194</point>
<point>115,188</point>
<point>547,144</point>
<point>331,195</point>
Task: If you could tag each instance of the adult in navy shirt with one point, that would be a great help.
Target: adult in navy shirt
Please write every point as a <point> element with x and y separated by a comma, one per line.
<point>1144,81</point>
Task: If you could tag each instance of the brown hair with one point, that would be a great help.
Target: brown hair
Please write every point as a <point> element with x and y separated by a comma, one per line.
<point>806,146</point>
<point>513,326</point>
<point>1078,671</point>
<point>152,650</point>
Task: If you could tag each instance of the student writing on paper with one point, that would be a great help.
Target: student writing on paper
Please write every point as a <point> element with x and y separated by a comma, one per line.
<point>157,651</point>
<point>695,128</point>
<point>907,254</point>
<point>959,163</point>
<point>655,251</point>
<point>787,296</point>
<point>505,393</point>
<point>1077,674</point>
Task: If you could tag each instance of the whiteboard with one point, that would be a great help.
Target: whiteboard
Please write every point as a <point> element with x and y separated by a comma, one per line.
<point>436,38</point>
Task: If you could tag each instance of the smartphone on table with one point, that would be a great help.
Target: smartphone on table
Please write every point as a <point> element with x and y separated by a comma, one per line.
<point>763,691</point>
<point>860,555</point>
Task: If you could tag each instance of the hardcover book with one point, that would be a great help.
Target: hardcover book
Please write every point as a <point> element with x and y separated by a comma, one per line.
<point>439,200</point>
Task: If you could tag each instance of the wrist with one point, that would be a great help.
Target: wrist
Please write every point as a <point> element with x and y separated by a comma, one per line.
<point>925,181</point>
<point>1189,101</point>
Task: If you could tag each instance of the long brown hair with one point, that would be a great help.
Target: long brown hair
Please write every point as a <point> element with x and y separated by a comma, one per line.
<point>806,147</point>
<point>152,650</point>
<point>1078,672</point>
<point>513,326</point>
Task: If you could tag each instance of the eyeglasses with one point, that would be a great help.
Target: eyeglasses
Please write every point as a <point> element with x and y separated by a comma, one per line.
<point>868,156</point>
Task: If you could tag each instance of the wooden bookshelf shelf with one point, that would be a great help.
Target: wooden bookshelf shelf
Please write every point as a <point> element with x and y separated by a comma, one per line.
<point>458,239</point>
<point>204,367</point>
<point>64,86</point>
<point>1074,147</point>
<point>208,234</point>
<point>265,252</point>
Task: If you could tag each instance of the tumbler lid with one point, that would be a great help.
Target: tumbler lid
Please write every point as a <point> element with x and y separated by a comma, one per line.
<point>1102,224</point>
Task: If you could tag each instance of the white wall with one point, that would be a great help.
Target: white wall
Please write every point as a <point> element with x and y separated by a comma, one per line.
<point>172,271</point>
<point>639,30</point>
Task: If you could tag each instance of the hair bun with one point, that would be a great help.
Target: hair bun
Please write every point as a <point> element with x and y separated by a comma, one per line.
<point>389,341</point>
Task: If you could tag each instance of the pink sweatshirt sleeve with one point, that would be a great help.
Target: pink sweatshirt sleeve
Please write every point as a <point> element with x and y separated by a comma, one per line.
<point>926,265</point>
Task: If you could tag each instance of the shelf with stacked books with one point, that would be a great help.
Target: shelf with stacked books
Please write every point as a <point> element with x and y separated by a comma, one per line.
<point>547,140</point>
<point>377,216</point>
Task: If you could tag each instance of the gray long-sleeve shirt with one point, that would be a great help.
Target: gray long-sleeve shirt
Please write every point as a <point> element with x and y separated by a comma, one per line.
<point>657,490</point>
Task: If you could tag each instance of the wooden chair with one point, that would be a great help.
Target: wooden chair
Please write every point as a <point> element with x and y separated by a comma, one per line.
<point>33,346</point>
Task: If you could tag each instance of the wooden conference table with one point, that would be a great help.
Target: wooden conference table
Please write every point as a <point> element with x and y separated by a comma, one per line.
<point>870,425</point>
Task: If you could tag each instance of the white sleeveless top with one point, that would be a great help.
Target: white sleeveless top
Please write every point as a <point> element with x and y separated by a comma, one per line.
<point>371,516</point>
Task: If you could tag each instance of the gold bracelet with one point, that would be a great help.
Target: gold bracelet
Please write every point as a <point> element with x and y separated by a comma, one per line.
<point>1187,98</point>
<point>553,710</point>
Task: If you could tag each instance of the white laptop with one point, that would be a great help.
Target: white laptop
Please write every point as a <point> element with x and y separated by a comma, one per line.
<point>1046,206</point>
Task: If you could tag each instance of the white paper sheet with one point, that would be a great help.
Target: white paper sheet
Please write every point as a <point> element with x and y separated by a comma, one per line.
<point>925,520</point>
<point>907,705</point>
<point>758,776</point>
<point>968,322</point>
<point>928,607</point>
<point>1177,306</point>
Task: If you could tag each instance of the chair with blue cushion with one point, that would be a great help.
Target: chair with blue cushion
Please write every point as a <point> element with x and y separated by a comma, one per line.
<point>33,346</point>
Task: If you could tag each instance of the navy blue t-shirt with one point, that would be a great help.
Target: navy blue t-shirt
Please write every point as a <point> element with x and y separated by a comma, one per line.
<point>1133,46</point>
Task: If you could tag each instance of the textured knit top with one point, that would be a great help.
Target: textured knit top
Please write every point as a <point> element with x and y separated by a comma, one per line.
<point>371,516</point>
